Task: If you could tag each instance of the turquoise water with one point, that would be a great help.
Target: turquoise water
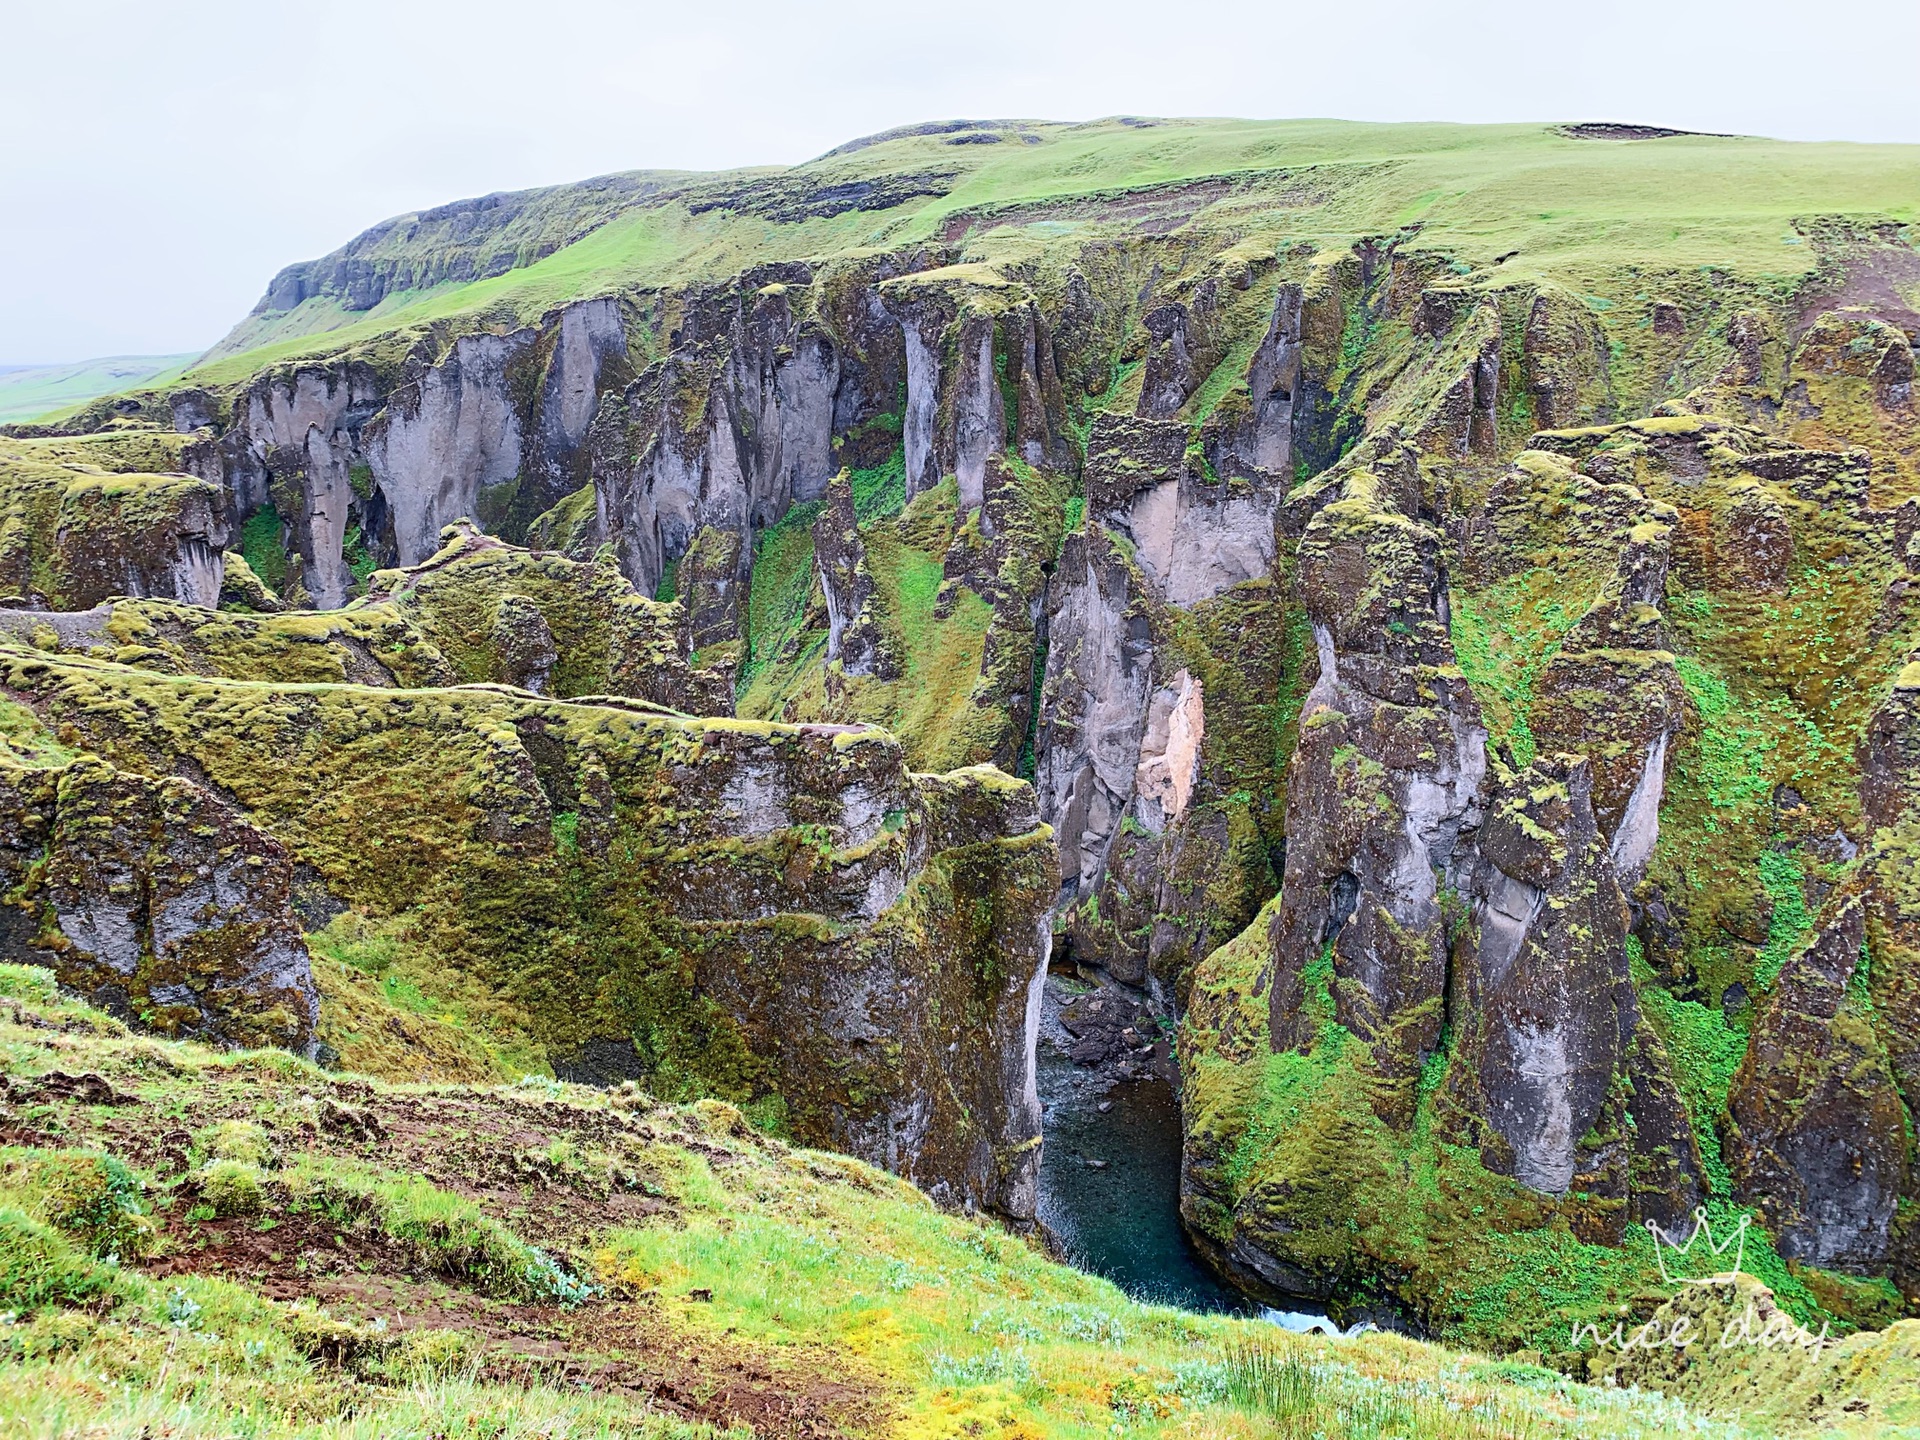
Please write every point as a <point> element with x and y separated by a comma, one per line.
<point>1121,1221</point>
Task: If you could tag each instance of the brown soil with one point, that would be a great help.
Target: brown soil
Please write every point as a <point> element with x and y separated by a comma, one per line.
<point>619,1347</point>
<point>497,1150</point>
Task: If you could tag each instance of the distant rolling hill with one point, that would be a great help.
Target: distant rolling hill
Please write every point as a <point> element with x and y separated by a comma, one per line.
<point>30,391</point>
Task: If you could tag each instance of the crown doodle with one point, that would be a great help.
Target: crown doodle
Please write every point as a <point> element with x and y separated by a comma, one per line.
<point>1737,1242</point>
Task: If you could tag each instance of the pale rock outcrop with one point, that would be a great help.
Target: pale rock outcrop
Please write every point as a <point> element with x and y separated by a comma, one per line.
<point>1170,751</point>
<point>445,439</point>
<point>334,446</point>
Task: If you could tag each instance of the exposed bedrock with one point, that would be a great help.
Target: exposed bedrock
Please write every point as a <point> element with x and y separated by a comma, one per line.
<point>1817,1134</point>
<point>1099,674</point>
<point>1460,917</point>
<point>444,440</point>
<point>478,611</point>
<point>1553,1077</point>
<point>156,900</point>
<point>736,423</point>
<point>774,914</point>
<point>1610,690</point>
<point>980,378</point>
<point>73,535</point>
<point>1890,865</point>
<point>1201,535</point>
<point>494,428</point>
<point>856,642</point>
<point>1387,773</point>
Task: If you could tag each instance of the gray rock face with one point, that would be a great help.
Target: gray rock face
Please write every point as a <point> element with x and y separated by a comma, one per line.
<point>1193,538</point>
<point>1259,440</point>
<point>158,901</point>
<point>979,421</point>
<point>1543,990</point>
<point>726,432</point>
<point>922,336</point>
<point>494,427</point>
<point>589,348</point>
<point>1195,541</point>
<point>1817,1135</point>
<point>1120,739</point>
<point>1181,351</point>
<point>856,641</point>
<point>292,448</point>
<point>1387,774</point>
<point>1093,708</point>
<point>955,417</point>
<point>443,440</point>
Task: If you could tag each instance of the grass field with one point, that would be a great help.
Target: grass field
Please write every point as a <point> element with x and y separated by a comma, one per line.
<point>1583,212</point>
<point>205,1244</point>
<point>30,391</point>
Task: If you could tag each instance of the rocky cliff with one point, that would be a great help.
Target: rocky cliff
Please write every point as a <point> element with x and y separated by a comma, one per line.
<point>1464,667</point>
<point>783,916</point>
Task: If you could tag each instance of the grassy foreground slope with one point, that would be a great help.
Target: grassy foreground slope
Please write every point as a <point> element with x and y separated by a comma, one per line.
<point>198,1243</point>
<point>1538,200</point>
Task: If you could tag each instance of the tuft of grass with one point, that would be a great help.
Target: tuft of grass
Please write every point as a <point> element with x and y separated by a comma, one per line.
<point>880,491</point>
<point>1277,1382</point>
<point>446,1232</point>
<point>233,1187</point>
<point>40,1267</point>
<point>95,1199</point>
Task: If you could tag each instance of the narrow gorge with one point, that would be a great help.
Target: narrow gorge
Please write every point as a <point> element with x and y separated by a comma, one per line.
<point>1454,702</point>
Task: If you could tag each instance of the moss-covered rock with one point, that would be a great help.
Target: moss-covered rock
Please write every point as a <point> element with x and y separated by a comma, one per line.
<point>73,533</point>
<point>781,917</point>
<point>156,900</point>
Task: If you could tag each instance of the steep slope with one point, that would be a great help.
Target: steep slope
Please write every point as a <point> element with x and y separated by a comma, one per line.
<point>592,884</point>
<point>1451,589</point>
<point>306,1254</point>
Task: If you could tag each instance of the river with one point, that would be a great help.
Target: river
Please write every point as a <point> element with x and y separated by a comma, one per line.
<point>1110,1180</point>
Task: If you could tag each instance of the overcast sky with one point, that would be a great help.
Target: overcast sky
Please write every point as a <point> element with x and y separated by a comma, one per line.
<point>158,163</point>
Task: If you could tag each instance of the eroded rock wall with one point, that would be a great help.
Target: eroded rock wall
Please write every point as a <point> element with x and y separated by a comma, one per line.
<point>775,914</point>
<point>157,901</point>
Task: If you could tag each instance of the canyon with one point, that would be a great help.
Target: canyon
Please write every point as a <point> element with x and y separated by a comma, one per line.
<point>1461,675</point>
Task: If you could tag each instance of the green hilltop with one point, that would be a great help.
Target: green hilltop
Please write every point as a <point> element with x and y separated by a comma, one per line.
<point>1541,201</point>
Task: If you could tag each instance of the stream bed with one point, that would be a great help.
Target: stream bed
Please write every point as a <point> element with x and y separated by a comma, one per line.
<point>1110,1178</point>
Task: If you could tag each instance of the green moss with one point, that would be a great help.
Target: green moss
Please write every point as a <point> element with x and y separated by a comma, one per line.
<point>782,580</point>
<point>360,562</point>
<point>94,1199</point>
<point>1705,1051</point>
<point>39,1268</point>
<point>880,491</point>
<point>261,546</point>
<point>1732,752</point>
<point>1790,924</point>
